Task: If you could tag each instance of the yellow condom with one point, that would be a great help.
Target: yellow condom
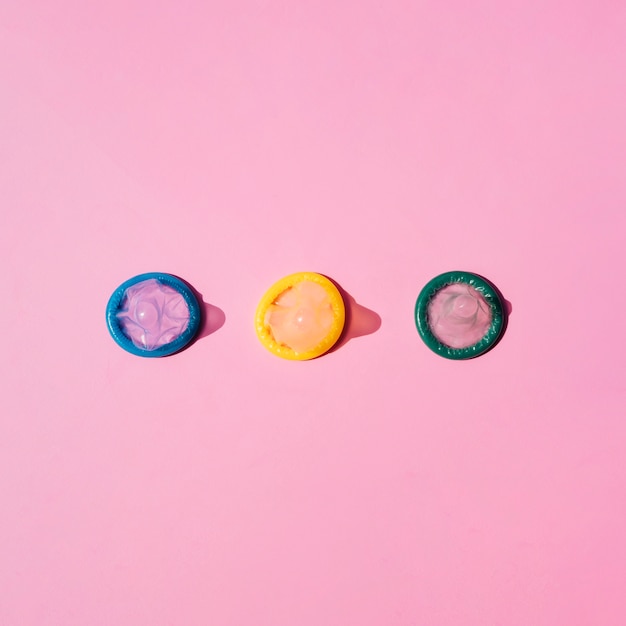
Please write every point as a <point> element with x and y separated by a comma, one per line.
<point>301,316</point>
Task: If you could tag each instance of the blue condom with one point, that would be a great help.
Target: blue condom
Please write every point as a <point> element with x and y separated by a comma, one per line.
<point>153,315</point>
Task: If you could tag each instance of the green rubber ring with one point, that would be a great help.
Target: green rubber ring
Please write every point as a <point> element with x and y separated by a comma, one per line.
<point>486,290</point>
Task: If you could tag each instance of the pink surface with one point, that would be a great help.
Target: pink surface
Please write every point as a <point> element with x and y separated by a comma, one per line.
<point>381,144</point>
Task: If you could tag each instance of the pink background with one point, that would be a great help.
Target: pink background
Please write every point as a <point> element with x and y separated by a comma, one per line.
<point>380,143</point>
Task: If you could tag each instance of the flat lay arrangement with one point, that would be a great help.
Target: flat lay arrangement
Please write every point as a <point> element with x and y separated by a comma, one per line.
<point>293,332</point>
<point>459,315</point>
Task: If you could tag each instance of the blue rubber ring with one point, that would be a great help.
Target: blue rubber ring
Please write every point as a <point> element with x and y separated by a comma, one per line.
<point>195,316</point>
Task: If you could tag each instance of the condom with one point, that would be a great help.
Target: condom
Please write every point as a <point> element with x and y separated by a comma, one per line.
<point>153,315</point>
<point>300,317</point>
<point>459,315</point>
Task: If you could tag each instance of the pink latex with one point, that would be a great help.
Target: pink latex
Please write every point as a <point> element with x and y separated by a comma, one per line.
<point>459,316</point>
<point>301,317</point>
<point>153,314</point>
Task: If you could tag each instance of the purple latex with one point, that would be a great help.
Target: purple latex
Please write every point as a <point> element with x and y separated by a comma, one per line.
<point>153,314</point>
<point>459,315</point>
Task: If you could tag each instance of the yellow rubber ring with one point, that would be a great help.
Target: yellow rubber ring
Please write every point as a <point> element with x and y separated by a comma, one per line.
<point>264,332</point>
